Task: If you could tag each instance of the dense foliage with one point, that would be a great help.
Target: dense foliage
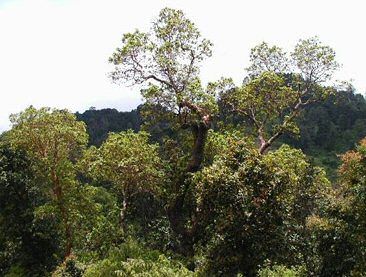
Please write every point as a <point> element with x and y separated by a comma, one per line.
<point>326,129</point>
<point>100,122</point>
<point>215,180</point>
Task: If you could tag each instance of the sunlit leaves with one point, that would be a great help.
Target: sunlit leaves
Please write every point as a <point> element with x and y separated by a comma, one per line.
<point>168,56</point>
<point>128,161</point>
<point>245,198</point>
<point>264,101</point>
<point>53,137</point>
<point>311,58</point>
<point>165,63</point>
<point>315,61</point>
<point>279,86</point>
<point>264,57</point>
<point>54,140</point>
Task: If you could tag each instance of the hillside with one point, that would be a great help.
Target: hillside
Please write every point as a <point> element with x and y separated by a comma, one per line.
<point>327,128</point>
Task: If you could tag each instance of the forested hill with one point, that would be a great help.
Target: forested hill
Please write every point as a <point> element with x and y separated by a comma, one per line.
<point>331,127</point>
<point>101,122</point>
<point>327,128</point>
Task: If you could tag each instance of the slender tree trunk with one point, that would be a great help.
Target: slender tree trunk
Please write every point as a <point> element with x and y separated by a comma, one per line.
<point>68,233</point>
<point>123,213</point>
<point>263,144</point>
<point>64,215</point>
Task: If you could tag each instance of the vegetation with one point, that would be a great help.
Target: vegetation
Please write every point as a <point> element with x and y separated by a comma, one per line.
<point>200,180</point>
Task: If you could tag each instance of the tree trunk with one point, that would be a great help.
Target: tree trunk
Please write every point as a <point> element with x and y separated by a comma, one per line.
<point>68,234</point>
<point>200,132</point>
<point>176,208</point>
<point>123,213</point>
<point>57,190</point>
<point>263,147</point>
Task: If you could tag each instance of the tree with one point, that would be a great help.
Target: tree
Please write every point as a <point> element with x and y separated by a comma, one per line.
<point>165,64</point>
<point>254,208</point>
<point>264,57</point>
<point>129,162</point>
<point>351,210</point>
<point>279,87</point>
<point>54,140</point>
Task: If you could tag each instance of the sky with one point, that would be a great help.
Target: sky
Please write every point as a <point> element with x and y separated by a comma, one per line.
<point>55,52</point>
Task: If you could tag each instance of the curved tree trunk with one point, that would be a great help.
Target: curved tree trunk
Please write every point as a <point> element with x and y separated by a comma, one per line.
<point>200,132</point>
<point>176,208</point>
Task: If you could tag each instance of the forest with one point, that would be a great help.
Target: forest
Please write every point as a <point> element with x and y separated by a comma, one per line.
<point>263,178</point>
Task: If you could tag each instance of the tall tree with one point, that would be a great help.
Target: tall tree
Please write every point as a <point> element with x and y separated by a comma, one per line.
<point>279,86</point>
<point>351,205</point>
<point>129,162</point>
<point>54,139</point>
<point>165,64</point>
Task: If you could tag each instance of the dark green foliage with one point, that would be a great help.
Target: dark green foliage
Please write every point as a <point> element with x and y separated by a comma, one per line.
<point>148,220</point>
<point>254,208</point>
<point>327,128</point>
<point>71,267</point>
<point>336,124</point>
<point>336,250</point>
<point>25,241</point>
<point>331,127</point>
<point>101,122</point>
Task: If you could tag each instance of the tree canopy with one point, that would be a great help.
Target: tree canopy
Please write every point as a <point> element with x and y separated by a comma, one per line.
<point>279,86</point>
<point>199,180</point>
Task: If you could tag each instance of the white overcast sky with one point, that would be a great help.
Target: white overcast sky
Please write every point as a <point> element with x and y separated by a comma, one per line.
<point>54,52</point>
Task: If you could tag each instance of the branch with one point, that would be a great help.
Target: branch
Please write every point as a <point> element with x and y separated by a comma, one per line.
<point>158,80</point>
<point>205,116</point>
<point>190,70</point>
<point>253,118</point>
<point>266,144</point>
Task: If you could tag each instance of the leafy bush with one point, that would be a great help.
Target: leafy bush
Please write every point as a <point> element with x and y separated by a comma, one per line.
<point>131,259</point>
